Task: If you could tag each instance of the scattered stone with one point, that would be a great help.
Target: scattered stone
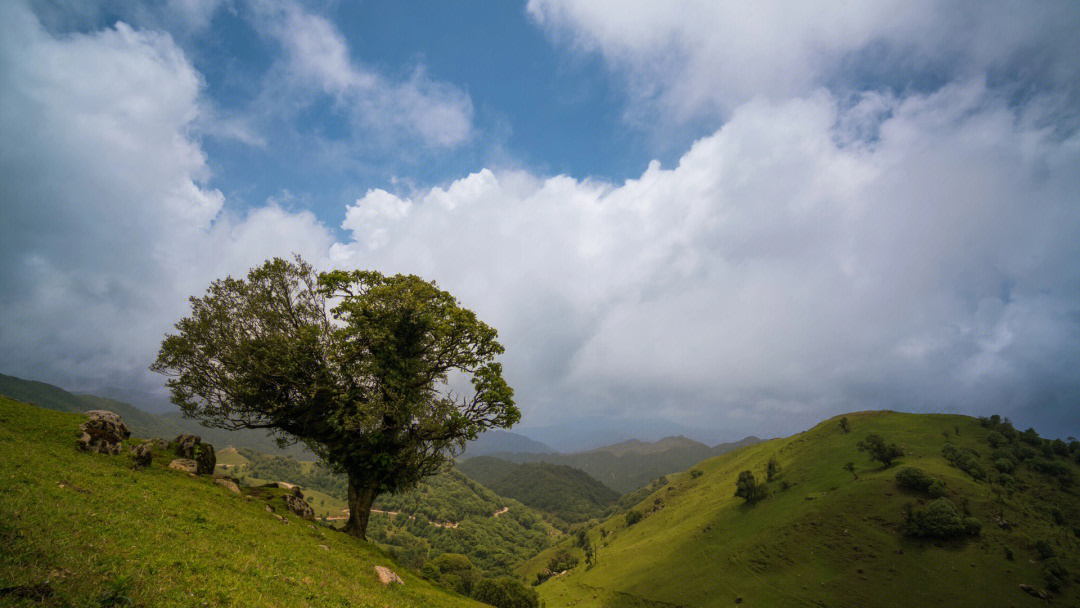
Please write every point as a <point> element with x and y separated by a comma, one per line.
<point>387,576</point>
<point>269,509</point>
<point>184,464</point>
<point>299,506</point>
<point>159,443</point>
<point>1028,589</point>
<point>282,519</point>
<point>191,446</point>
<point>228,485</point>
<point>103,432</point>
<point>142,455</point>
<point>738,600</point>
<point>324,547</point>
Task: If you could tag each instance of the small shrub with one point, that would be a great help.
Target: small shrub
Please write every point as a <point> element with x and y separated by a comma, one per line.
<point>632,517</point>
<point>1004,465</point>
<point>939,519</point>
<point>845,425</point>
<point>913,478</point>
<point>562,560</point>
<point>1006,480</point>
<point>117,593</point>
<point>695,473</point>
<point>878,449</point>
<point>965,459</point>
<point>747,487</point>
<point>1055,573</point>
<point>996,439</point>
<point>850,468</point>
<point>772,469</point>
<point>936,489</point>
<point>1044,549</point>
<point>1057,516</point>
<point>1009,553</point>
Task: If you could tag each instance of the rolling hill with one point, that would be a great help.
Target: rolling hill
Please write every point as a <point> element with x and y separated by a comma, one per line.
<point>627,466</point>
<point>569,494</point>
<point>80,529</point>
<point>823,537</point>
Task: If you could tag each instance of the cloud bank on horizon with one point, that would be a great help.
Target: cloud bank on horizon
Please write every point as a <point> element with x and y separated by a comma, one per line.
<point>880,211</point>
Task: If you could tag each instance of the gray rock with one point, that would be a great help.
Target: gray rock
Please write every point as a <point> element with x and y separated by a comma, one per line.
<point>387,576</point>
<point>299,506</point>
<point>161,444</point>
<point>184,464</point>
<point>191,447</point>
<point>142,455</point>
<point>228,485</point>
<point>103,432</point>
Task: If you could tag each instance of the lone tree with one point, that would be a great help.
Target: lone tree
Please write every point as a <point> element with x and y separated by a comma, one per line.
<point>875,447</point>
<point>772,469</point>
<point>747,487</point>
<point>850,468</point>
<point>383,377</point>
<point>845,425</point>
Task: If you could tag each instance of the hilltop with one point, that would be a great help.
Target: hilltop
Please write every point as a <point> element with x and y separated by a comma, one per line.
<point>823,537</point>
<point>90,525</point>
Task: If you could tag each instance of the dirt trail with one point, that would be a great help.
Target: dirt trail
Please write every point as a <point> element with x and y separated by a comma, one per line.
<point>500,511</point>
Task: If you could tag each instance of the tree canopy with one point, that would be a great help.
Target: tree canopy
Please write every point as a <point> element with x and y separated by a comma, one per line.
<point>383,377</point>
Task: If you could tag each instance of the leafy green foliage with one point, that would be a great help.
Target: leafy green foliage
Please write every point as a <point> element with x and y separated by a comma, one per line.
<point>353,364</point>
<point>996,439</point>
<point>939,519</point>
<point>633,516</point>
<point>505,592</point>
<point>772,468</point>
<point>966,459</point>
<point>878,449</point>
<point>845,424</point>
<point>747,487</point>
<point>569,494</point>
<point>912,478</point>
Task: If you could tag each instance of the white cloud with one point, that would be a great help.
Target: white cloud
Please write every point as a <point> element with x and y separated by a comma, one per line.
<point>317,54</point>
<point>705,58</point>
<point>785,264</point>
<point>107,225</point>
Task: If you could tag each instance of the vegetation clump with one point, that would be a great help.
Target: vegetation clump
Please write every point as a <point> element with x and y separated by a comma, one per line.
<point>939,519</point>
<point>772,469</point>
<point>879,450</point>
<point>912,478</point>
<point>748,488</point>
<point>505,592</point>
<point>633,516</point>
<point>966,459</point>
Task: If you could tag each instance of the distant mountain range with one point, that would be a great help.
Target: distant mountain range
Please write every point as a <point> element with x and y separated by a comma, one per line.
<point>591,432</point>
<point>629,465</point>
<point>497,441</point>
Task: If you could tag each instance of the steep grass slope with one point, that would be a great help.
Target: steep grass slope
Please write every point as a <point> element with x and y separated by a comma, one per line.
<point>829,539</point>
<point>90,526</point>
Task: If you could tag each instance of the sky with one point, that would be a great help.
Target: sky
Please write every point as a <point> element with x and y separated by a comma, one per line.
<point>743,217</point>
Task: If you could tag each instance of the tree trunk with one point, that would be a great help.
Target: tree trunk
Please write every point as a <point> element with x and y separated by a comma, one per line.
<point>361,496</point>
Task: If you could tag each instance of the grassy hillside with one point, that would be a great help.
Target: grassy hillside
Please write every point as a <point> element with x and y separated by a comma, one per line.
<point>564,492</point>
<point>627,466</point>
<point>141,422</point>
<point>824,538</point>
<point>90,526</point>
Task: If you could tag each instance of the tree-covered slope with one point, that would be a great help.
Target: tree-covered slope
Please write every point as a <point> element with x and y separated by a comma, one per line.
<point>493,544</point>
<point>565,492</point>
<point>823,537</point>
<point>91,526</point>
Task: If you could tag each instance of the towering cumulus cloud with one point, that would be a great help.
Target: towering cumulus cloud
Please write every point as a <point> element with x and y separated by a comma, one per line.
<point>809,256</point>
<point>107,224</point>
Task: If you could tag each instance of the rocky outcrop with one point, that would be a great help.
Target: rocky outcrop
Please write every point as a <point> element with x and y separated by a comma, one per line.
<point>299,506</point>
<point>159,443</point>
<point>185,464</point>
<point>142,455</point>
<point>103,432</point>
<point>387,576</point>
<point>191,447</point>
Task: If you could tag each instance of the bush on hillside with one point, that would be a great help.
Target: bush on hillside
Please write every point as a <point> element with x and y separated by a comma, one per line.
<point>965,459</point>
<point>562,560</point>
<point>632,517</point>
<point>505,592</point>
<point>748,488</point>
<point>939,519</point>
<point>1055,574</point>
<point>878,449</point>
<point>996,439</point>
<point>772,469</point>
<point>1004,465</point>
<point>695,473</point>
<point>912,478</point>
